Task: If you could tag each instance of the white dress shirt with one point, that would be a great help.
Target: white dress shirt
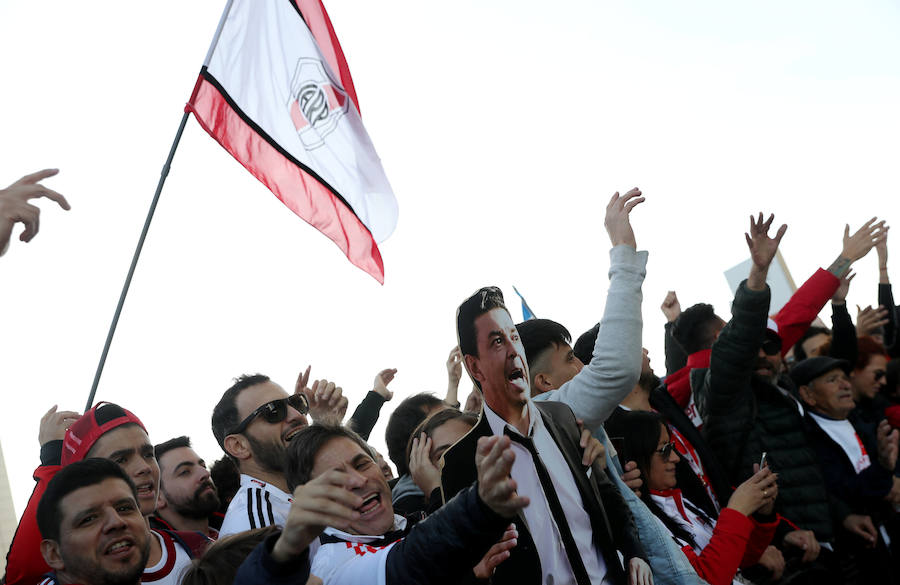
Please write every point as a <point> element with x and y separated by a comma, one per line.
<point>555,567</point>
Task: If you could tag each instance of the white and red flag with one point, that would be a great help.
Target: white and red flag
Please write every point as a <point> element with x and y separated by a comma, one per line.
<point>275,91</point>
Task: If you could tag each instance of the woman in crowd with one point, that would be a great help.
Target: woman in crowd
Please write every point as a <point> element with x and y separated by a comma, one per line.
<point>716,548</point>
<point>867,379</point>
<point>426,445</point>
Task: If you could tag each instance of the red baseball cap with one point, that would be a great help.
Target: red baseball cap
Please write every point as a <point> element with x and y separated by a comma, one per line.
<point>85,431</point>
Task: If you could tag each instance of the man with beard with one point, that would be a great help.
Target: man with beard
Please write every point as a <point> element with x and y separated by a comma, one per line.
<point>106,431</point>
<point>92,527</point>
<point>751,412</point>
<point>253,423</point>
<point>187,495</point>
<point>699,474</point>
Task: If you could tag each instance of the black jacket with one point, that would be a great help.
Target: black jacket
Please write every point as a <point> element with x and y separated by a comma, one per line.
<point>745,416</point>
<point>863,492</point>
<point>612,524</point>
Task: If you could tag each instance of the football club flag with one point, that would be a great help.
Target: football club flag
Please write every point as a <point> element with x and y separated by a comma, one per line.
<point>527,313</point>
<point>275,91</point>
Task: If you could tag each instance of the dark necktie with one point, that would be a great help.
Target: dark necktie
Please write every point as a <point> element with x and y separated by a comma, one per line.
<point>556,509</point>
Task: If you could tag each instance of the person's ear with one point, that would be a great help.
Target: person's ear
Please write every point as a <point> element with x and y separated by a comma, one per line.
<point>51,554</point>
<point>807,395</point>
<point>161,502</point>
<point>472,366</point>
<point>238,447</point>
<point>542,383</point>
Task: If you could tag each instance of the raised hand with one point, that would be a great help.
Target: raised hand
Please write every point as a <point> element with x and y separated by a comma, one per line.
<point>424,473</point>
<point>454,366</point>
<point>54,424</point>
<point>493,459</point>
<point>869,320</point>
<point>382,379</point>
<point>300,386</point>
<point>670,306</point>
<point>865,238</point>
<point>14,206</point>
<point>327,403</point>
<point>762,247</point>
<point>497,553</point>
<point>617,222</point>
<point>323,501</point>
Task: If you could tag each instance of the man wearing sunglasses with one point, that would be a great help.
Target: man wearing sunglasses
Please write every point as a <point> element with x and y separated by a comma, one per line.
<point>253,423</point>
<point>750,408</point>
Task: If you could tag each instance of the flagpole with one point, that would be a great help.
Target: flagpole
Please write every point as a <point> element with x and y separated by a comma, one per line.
<point>150,212</point>
<point>137,252</point>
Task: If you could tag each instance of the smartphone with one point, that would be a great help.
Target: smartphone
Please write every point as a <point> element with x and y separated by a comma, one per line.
<point>618,444</point>
<point>762,460</point>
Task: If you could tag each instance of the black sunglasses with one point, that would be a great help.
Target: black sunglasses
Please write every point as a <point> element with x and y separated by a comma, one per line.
<point>879,374</point>
<point>274,411</point>
<point>771,346</point>
<point>666,450</point>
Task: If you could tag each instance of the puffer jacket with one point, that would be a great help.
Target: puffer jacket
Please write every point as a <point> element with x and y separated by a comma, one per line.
<point>746,416</point>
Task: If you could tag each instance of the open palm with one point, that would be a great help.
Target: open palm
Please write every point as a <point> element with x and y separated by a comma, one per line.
<point>762,247</point>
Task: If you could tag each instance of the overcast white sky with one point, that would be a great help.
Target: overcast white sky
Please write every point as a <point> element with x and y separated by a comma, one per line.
<point>504,127</point>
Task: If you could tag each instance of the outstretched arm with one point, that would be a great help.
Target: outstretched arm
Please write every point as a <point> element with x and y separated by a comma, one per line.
<point>366,414</point>
<point>454,375</point>
<point>886,299</point>
<point>676,358</point>
<point>594,393</point>
<point>857,245</point>
<point>729,401</point>
<point>799,312</point>
<point>843,333</point>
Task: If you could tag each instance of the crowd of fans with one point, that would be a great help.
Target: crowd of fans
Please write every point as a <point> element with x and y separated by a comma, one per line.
<point>767,454</point>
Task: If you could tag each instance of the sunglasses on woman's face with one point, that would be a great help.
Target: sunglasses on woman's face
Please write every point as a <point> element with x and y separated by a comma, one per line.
<point>274,411</point>
<point>666,450</point>
<point>879,374</point>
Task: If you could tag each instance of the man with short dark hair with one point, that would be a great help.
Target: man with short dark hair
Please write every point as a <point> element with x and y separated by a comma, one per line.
<point>106,431</point>
<point>577,520</point>
<point>599,371</point>
<point>406,497</point>
<point>187,495</point>
<point>694,330</point>
<point>341,489</point>
<point>254,422</point>
<point>92,527</point>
